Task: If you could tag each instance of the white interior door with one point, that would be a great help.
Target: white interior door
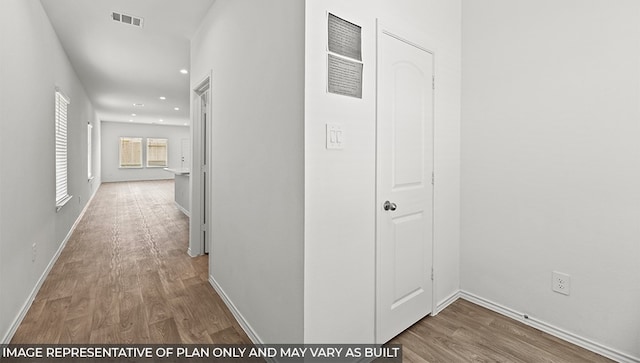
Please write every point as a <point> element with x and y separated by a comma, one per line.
<point>185,154</point>
<point>404,185</point>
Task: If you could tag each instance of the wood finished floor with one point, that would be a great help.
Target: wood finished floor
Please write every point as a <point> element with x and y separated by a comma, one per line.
<point>465,332</point>
<point>124,277</point>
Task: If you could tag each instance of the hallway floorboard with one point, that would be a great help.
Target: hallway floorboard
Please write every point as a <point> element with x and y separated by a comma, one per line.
<point>125,277</point>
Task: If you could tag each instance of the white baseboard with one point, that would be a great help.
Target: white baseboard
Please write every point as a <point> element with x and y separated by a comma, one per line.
<point>190,253</point>
<point>446,302</point>
<point>236,313</point>
<point>27,305</point>
<point>182,209</point>
<point>550,329</point>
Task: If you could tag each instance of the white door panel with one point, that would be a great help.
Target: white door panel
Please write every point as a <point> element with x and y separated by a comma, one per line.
<point>185,153</point>
<point>404,179</point>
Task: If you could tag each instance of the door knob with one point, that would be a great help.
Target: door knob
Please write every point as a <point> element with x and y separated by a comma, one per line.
<point>389,206</point>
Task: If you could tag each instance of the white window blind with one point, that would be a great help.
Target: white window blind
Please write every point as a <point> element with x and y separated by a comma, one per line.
<point>157,152</point>
<point>62,193</point>
<point>131,152</point>
<point>89,151</point>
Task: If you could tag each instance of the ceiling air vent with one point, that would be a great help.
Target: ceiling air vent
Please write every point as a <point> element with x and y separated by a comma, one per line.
<point>126,19</point>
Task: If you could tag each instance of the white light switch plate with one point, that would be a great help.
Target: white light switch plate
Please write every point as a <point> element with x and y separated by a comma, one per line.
<point>335,137</point>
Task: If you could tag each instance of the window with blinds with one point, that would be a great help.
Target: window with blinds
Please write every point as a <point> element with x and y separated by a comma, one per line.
<point>130,152</point>
<point>157,153</point>
<point>62,192</point>
<point>89,152</point>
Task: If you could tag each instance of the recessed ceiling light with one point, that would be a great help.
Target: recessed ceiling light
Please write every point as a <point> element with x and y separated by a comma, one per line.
<point>134,115</point>
<point>130,120</point>
<point>161,120</point>
<point>186,124</point>
<point>177,108</point>
<point>184,71</point>
<point>163,98</point>
<point>138,105</point>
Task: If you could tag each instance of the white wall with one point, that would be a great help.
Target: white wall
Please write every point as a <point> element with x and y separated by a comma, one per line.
<point>111,133</point>
<point>255,52</point>
<point>340,185</point>
<point>551,162</point>
<point>32,64</point>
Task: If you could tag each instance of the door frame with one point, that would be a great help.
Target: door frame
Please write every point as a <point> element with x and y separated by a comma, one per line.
<point>196,242</point>
<point>420,41</point>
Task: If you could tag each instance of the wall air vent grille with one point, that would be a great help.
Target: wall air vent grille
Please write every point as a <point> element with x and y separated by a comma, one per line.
<point>127,19</point>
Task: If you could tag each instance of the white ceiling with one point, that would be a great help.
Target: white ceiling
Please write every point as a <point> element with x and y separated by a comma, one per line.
<point>120,64</point>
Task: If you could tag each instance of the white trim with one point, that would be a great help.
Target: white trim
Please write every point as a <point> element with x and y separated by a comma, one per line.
<point>551,329</point>
<point>196,203</point>
<point>64,96</point>
<point>27,305</point>
<point>182,209</point>
<point>63,202</point>
<point>204,85</point>
<point>89,151</point>
<point>445,303</point>
<point>190,253</point>
<point>236,313</point>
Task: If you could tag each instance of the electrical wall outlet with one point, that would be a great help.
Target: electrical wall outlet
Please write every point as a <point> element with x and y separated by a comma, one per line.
<point>34,251</point>
<point>561,283</point>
